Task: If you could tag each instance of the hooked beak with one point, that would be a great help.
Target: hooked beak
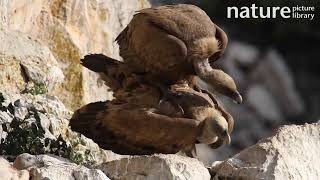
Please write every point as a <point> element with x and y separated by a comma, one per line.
<point>227,140</point>
<point>238,98</point>
<point>226,137</point>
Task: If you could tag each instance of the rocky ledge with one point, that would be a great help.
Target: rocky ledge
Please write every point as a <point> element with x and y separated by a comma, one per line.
<point>38,124</point>
<point>291,153</point>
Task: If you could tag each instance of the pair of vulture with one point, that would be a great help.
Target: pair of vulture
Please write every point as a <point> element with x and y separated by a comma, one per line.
<point>164,87</point>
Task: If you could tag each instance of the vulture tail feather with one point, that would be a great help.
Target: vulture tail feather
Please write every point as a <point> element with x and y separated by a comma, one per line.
<point>84,119</point>
<point>98,62</point>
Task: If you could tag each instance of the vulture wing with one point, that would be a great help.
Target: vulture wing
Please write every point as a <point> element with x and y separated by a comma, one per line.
<point>189,23</point>
<point>147,48</point>
<point>107,68</point>
<point>160,40</point>
<point>125,129</point>
<point>98,62</point>
<point>186,22</point>
<point>187,96</point>
<point>115,73</point>
<point>137,126</point>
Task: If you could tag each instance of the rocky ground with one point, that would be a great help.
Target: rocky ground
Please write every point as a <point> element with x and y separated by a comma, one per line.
<point>42,83</point>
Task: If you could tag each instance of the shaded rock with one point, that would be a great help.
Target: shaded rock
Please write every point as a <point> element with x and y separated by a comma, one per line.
<point>238,60</point>
<point>207,155</point>
<point>243,54</point>
<point>55,168</point>
<point>7,172</point>
<point>249,125</point>
<point>276,76</point>
<point>292,153</point>
<point>260,99</point>
<point>155,167</point>
<point>72,29</point>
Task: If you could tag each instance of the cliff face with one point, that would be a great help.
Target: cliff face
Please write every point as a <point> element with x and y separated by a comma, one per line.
<point>70,29</point>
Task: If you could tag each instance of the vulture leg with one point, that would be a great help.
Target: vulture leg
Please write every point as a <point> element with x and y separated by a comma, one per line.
<point>227,116</point>
<point>167,95</point>
<point>197,88</point>
<point>210,95</point>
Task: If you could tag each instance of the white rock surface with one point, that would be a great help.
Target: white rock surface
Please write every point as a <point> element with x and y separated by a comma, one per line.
<point>55,168</point>
<point>23,60</point>
<point>8,172</point>
<point>155,167</point>
<point>292,153</point>
<point>72,29</point>
<point>54,118</point>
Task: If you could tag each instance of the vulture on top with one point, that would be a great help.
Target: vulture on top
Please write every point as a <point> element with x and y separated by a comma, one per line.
<point>175,43</point>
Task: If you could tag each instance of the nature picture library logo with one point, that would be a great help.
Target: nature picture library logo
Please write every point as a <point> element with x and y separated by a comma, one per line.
<point>294,12</point>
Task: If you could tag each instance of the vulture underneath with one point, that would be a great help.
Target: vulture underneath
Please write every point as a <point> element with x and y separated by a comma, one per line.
<point>174,42</point>
<point>135,123</point>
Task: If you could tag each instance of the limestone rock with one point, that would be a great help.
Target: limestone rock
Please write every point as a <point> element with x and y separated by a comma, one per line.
<point>292,153</point>
<point>8,172</point>
<point>281,81</point>
<point>155,167</point>
<point>55,168</point>
<point>54,118</point>
<point>243,54</point>
<point>239,58</point>
<point>72,29</point>
<point>82,145</point>
<point>54,115</point>
<point>250,66</point>
<point>264,103</point>
<point>24,161</point>
<point>23,60</point>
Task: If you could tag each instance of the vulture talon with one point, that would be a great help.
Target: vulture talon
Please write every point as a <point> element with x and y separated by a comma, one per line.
<point>197,88</point>
<point>167,95</point>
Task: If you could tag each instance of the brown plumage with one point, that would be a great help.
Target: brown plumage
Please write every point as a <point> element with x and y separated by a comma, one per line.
<point>125,83</point>
<point>133,127</point>
<point>171,43</point>
<point>135,122</point>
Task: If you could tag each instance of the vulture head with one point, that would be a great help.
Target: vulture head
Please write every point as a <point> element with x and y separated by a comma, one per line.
<point>215,80</point>
<point>214,129</point>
